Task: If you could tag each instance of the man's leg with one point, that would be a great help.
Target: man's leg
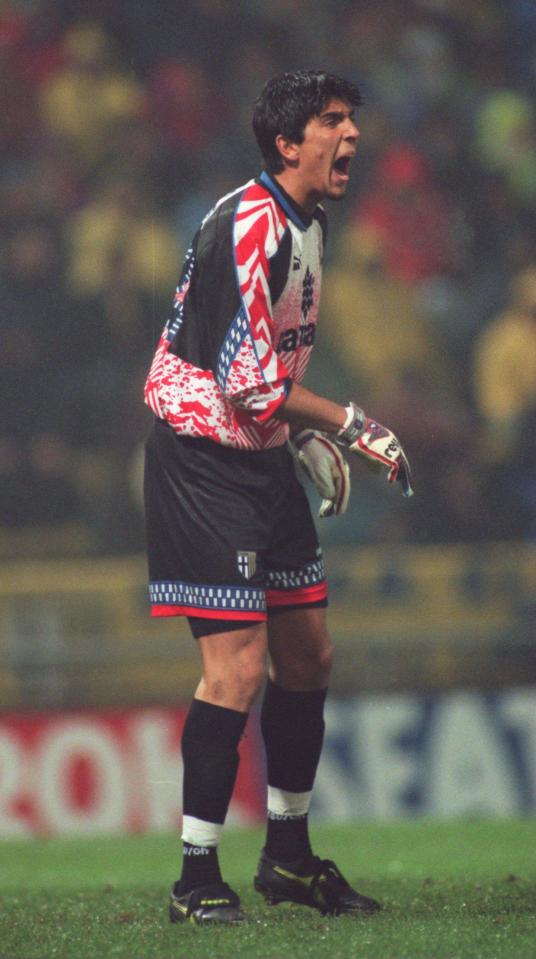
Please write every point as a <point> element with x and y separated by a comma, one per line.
<point>292,721</point>
<point>234,669</point>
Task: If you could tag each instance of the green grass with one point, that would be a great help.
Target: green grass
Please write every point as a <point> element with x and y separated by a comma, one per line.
<point>462,890</point>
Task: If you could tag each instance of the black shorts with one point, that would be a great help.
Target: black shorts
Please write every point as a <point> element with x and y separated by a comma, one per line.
<point>229,532</point>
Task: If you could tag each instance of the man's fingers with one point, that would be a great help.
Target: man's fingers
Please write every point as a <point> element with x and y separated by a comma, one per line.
<point>404,478</point>
<point>326,466</point>
<point>327,508</point>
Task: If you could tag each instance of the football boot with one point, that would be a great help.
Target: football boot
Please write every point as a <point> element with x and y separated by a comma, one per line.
<point>311,882</point>
<point>207,906</point>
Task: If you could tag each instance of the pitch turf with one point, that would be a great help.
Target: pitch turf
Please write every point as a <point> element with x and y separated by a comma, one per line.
<point>462,890</point>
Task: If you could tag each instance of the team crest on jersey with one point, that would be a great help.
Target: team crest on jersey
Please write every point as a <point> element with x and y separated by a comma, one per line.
<point>247,562</point>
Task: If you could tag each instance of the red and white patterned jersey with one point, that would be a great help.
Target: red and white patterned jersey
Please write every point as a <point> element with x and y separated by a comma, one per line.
<point>244,319</point>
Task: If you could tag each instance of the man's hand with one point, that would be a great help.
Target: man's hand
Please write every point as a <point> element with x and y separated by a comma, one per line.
<point>325,465</point>
<point>377,445</point>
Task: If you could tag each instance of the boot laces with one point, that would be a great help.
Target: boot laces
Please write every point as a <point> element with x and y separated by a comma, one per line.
<point>328,880</point>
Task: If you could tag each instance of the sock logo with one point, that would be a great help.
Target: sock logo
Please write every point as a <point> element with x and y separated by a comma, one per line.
<point>285,817</point>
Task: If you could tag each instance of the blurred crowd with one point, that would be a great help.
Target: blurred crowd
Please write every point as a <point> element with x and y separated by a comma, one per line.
<point>122,122</point>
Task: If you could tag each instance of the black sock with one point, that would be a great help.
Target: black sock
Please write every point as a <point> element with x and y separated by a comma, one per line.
<point>210,755</point>
<point>287,838</point>
<point>292,726</point>
<point>200,867</point>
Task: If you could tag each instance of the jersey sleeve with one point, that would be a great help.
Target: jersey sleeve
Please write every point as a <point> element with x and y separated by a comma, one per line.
<point>248,369</point>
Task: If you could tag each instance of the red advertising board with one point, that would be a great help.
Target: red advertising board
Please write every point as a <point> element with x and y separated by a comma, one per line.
<point>106,772</point>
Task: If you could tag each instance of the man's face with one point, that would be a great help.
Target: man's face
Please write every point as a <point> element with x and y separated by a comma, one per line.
<point>324,156</point>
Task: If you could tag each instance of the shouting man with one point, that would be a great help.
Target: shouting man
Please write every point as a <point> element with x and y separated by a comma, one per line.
<point>231,541</point>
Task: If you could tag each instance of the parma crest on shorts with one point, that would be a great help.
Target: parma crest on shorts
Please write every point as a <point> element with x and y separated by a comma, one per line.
<point>247,562</point>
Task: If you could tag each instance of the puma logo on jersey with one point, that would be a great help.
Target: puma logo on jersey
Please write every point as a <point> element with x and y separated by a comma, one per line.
<point>307,293</point>
<point>296,262</point>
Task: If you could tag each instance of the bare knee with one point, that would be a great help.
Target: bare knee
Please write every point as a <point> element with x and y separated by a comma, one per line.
<point>301,650</point>
<point>304,667</point>
<point>234,668</point>
<point>245,675</point>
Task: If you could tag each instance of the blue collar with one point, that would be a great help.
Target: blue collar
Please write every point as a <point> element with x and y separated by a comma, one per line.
<point>295,213</point>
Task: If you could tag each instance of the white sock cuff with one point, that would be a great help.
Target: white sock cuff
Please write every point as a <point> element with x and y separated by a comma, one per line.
<point>283,803</point>
<point>200,833</point>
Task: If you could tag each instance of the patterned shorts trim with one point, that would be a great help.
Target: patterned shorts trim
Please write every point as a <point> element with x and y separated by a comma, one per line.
<point>310,574</point>
<point>224,602</point>
<point>228,599</point>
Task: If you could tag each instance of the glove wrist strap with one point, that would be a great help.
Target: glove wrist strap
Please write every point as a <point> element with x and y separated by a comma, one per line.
<point>301,438</point>
<point>353,425</point>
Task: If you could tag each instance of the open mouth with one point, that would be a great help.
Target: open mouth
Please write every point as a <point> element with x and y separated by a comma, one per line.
<point>342,166</point>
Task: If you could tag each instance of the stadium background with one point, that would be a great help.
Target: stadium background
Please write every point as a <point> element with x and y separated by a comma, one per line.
<point>121,123</point>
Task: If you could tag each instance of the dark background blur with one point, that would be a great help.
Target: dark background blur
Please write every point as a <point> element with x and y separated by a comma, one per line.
<point>122,122</point>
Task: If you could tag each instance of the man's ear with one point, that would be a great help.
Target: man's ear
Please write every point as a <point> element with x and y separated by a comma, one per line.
<point>289,150</point>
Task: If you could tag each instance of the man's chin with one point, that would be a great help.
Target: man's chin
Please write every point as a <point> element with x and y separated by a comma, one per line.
<point>337,193</point>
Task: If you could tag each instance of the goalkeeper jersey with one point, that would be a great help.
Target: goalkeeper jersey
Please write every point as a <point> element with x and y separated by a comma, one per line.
<point>244,319</point>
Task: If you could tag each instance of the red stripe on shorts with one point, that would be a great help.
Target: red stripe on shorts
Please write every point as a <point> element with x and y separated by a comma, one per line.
<point>287,597</point>
<point>161,609</point>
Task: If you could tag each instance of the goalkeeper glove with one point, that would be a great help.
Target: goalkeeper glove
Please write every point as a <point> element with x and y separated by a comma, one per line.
<point>376,444</point>
<point>325,465</point>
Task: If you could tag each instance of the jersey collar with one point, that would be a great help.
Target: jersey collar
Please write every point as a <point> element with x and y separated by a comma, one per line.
<point>294,212</point>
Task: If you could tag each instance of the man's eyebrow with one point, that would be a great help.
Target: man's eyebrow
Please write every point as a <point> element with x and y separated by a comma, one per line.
<point>337,115</point>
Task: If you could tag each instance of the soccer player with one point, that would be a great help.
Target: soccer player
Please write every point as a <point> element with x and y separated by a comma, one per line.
<point>231,541</point>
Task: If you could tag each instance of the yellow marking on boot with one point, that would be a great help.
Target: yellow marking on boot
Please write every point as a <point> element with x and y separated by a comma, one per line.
<point>304,880</point>
<point>215,902</point>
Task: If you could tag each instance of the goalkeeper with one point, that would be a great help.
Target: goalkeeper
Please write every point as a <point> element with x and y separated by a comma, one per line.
<point>231,541</point>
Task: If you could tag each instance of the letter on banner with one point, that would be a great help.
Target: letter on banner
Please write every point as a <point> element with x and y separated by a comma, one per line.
<point>471,770</point>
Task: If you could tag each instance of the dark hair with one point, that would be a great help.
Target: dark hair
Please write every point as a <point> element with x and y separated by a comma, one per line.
<point>288,102</point>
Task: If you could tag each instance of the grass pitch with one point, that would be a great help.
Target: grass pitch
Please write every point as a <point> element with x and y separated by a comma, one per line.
<point>457,890</point>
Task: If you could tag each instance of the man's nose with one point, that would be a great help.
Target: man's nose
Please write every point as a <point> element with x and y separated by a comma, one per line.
<point>351,132</point>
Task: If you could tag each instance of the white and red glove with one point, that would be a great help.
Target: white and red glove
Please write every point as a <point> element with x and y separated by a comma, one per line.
<point>376,444</point>
<point>325,465</point>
